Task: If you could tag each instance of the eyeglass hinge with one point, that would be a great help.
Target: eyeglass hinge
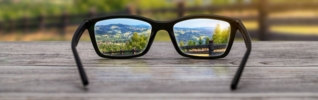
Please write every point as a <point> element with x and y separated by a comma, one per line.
<point>237,21</point>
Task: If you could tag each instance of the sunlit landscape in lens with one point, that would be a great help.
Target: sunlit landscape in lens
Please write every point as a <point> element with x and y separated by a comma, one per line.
<point>122,36</point>
<point>202,37</point>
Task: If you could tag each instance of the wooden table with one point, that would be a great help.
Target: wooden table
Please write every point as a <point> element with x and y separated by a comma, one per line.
<point>47,70</point>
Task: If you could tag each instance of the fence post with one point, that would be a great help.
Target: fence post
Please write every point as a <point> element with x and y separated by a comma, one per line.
<point>41,22</point>
<point>187,48</point>
<point>181,8</point>
<point>1,26</point>
<point>25,24</point>
<point>211,47</point>
<point>11,25</point>
<point>133,51</point>
<point>131,9</point>
<point>64,20</point>
<point>92,13</point>
<point>262,20</point>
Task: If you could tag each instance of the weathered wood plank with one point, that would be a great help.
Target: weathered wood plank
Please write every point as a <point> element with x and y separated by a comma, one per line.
<point>157,79</point>
<point>145,82</point>
<point>163,96</point>
<point>41,70</point>
<point>59,53</point>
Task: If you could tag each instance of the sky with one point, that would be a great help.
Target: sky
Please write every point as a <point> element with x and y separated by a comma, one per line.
<point>122,21</point>
<point>195,23</point>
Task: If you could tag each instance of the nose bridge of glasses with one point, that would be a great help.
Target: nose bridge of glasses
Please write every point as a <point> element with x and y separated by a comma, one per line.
<point>162,25</point>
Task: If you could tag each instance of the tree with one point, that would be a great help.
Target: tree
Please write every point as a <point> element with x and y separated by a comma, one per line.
<point>207,40</point>
<point>216,34</point>
<point>137,42</point>
<point>225,35</point>
<point>200,41</point>
<point>181,43</point>
<point>143,41</point>
<point>221,2</point>
<point>221,35</point>
<point>191,43</point>
<point>135,37</point>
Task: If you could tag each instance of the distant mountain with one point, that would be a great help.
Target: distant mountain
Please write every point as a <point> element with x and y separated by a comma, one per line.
<point>125,31</point>
<point>185,34</point>
<point>141,25</point>
<point>121,29</point>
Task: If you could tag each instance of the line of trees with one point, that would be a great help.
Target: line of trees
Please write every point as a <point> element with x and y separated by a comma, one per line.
<point>194,42</point>
<point>136,42</point>
<point>14,9</point>
<point>220,36</point>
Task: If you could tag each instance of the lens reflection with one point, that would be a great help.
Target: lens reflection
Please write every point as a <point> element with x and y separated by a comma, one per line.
<point>202,37</point>
<point>122,36</point>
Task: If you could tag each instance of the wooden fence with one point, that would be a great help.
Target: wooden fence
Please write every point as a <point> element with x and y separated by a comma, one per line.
<point>263,7</point>
<point>122,52</point>
<point>211,47</point>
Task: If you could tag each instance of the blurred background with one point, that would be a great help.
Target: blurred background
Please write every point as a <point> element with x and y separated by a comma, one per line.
<point>56,20</point>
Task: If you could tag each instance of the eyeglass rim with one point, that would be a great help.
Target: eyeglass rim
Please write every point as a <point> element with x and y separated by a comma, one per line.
<point>159,25</point>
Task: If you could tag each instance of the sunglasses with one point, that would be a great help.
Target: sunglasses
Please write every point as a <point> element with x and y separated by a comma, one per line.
<point>128,36</point>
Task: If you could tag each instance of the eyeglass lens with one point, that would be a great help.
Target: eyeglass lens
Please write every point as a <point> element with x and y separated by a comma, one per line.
<point>122,36</point>
<point>202,37</point>
<point>197,37</point>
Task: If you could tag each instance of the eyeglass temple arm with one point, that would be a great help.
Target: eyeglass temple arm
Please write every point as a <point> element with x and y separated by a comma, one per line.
<point>248,44</point>
<point>77,35</point>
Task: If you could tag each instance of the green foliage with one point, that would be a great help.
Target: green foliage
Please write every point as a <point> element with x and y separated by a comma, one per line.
<point>221,2</point>
<point>135,37</point>
<point>137,42</point>
<point>191,43</point>
<point>149,4</point>
<point>14,9</point>
<point>101,5</point>
<point>221,35</point>
<point>207,39</point>
<point>200,41</point>
<point>181,43</point>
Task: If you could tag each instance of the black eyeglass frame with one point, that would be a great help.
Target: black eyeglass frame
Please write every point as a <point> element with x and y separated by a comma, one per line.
<point>235,24</point>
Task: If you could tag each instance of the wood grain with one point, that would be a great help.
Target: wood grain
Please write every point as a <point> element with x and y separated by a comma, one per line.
<point>47,70</point>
